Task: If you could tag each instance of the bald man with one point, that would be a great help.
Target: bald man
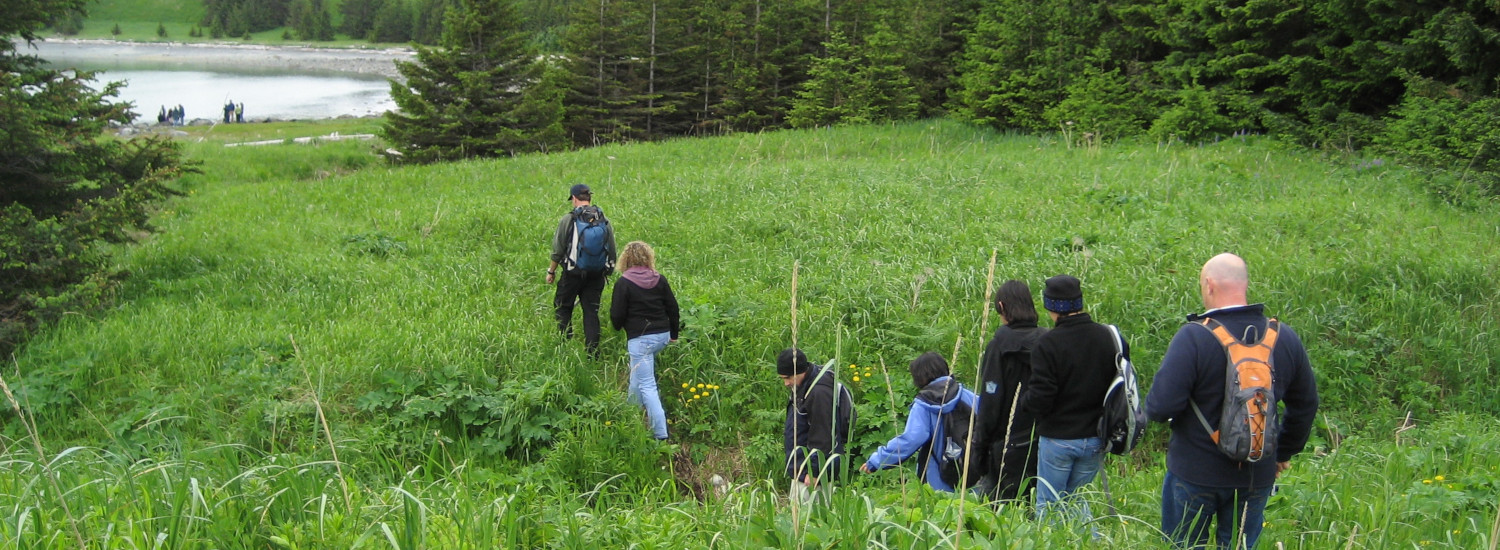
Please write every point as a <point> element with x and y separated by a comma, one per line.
<point>1203,487</point>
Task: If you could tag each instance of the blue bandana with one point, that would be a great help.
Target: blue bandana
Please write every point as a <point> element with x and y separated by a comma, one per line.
<point>1062,306</point>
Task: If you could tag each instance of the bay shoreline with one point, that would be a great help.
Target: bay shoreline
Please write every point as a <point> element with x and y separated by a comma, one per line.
<point>303,58</point>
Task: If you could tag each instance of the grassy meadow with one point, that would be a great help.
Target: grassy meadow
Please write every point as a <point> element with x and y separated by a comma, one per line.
<point>319,350</point>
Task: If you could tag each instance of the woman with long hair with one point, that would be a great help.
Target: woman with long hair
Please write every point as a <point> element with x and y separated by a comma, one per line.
<point>645,308</point>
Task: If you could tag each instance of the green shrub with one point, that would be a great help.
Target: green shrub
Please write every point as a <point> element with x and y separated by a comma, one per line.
<point>1101,106</point>
<point>1456,139</point>
<point>1197,116</point>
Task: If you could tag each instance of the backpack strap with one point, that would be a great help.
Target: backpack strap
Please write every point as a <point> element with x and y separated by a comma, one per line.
<point>1114,332</point>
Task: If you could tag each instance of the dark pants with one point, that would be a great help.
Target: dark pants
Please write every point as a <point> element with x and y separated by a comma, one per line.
<point>1188,512</point>
<point>1017,472</point>
<point>586,287</point>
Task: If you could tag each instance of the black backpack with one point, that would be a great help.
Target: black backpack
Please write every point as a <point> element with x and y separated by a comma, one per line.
<point>591,239</point>
<point>952,451</point>
<point>1124,420</point>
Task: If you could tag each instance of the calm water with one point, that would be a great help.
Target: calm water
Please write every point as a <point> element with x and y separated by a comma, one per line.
<point>202,82</point>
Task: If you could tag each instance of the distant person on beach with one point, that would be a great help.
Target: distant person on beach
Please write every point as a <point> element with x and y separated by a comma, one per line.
<point>239,112</point>
<point>161,118</point>
<point>1005,434</point>
<point>645,308</point>
<point>1207,496</point>
<point>584,245</point>
<point>228,111</point>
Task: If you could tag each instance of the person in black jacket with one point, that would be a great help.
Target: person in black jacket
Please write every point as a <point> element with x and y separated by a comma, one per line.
<point>819,417</point>
<point>645,308</point>
<point>1071,369</point>
<point>1004,434</point>
<point>1206,495</point>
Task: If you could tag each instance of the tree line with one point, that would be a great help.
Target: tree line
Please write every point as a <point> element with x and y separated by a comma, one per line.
<point>1417,78</point>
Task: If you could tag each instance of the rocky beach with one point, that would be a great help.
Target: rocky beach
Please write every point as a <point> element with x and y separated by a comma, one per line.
<point>291,58</point>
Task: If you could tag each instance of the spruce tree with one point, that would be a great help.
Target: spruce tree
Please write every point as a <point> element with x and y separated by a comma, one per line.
<point>65,191</point>
<point>462,98</point>
<point>825,97</point>
<point>602,61</point>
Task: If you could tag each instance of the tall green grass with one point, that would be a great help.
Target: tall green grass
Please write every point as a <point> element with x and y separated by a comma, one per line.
<point>1434,488</point>
<point>421,322</point>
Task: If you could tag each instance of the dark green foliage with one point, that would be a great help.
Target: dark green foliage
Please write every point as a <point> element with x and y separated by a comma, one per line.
<point>115,30</point>
<point>1459,138</point>
<point>69,23</point>
<point>1101,106</point>
<point>161,30</point>
<point>604,65</point>
<point>855,84</point>
<point>393,22</point>
<point>64,189</point>
<point>1194,117</point>
<point>463,99</point>
<point>238,17</point>
<point>377,244</point>
<point>513,418</point>
<point>311,20</point>
<point>359,17</point>
<point>428,26</point>
<point>1022,56</point>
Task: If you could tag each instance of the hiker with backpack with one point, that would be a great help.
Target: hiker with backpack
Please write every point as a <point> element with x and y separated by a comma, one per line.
<point>1004,437</point>
<point>1072,369</point>
<point>584,247</point>
<point>819,418</point>
<point>936,428</point>
<point>1219,384</point>
<point>645,308</point>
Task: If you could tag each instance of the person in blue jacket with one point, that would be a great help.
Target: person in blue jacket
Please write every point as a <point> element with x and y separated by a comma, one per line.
<point>937,393</point>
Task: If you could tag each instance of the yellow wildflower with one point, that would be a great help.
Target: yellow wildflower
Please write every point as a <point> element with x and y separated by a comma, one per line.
<point>1427,482</point>
<point>696,396</point>
<point>608,422</point>
<point>856,378</point>
<point>1439,477</point>
<point>684,385</point>
<point>700,386</point>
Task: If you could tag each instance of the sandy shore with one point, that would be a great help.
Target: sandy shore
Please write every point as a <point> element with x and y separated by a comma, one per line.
<point>241,56</point>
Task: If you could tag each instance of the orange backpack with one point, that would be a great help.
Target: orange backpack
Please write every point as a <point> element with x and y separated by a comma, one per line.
<point>1247,422</point>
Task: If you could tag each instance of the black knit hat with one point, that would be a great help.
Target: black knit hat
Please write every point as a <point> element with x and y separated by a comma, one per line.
<point>792,362</point>
<point>1064,294</point>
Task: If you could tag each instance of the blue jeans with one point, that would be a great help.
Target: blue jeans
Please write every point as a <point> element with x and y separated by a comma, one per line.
<point>642,389</point>
<point>1187,510</point>
<point>1064,465</point>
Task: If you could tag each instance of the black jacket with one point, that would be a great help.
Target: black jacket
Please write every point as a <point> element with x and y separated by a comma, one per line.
<point>816,432</point>
<point>1194,367</point>
<point>1071,369</point>
<point>1005,371</point>
<point>641,311</point>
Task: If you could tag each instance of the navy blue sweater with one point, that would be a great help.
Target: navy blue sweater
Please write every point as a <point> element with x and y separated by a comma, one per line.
<point>1194,367</point>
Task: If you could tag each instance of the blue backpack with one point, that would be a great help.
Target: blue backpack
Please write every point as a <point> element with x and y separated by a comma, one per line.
<point>591,237</point>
